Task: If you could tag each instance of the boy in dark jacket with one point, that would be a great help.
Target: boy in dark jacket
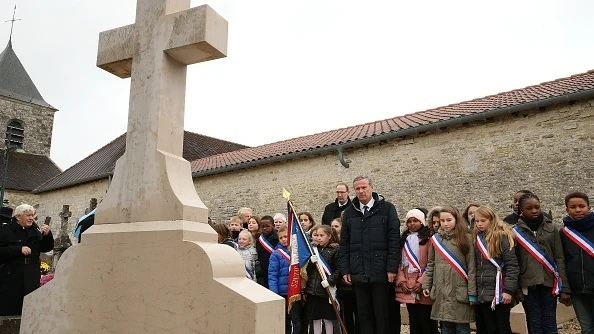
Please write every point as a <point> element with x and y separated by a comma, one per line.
<point>576,236</point>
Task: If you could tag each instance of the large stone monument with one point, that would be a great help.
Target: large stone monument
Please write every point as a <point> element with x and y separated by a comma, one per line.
<point>151,264</point>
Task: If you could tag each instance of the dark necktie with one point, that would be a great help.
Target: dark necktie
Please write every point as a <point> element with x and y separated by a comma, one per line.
<point>365,210</point>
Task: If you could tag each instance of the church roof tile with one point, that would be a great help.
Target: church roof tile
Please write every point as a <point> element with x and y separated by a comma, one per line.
<point>15,81</point>
<point>100,164</point>
<point>27,171</point>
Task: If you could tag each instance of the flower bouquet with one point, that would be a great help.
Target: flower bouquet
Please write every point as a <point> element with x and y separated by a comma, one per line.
<point>46,276</point>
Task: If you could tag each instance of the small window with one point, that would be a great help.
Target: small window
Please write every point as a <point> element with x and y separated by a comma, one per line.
<point>15,134</point>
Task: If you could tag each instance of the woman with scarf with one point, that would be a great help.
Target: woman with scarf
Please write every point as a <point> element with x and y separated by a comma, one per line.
<point>411,272</point>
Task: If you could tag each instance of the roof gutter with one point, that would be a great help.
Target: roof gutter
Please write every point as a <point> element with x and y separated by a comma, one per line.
<point>481,116</point>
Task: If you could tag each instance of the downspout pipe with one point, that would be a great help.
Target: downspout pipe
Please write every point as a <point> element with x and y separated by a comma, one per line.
<point>341,156</point>
<point>481,116</point>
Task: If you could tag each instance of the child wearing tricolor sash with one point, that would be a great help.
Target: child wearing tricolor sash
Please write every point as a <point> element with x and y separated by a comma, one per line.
<point>278,280</point>
<point>542,266</point>
<point>415,242</point>
<point>318,308</point>
<point>496,272</point>
<point>577,237</point>
<point>450,278</point>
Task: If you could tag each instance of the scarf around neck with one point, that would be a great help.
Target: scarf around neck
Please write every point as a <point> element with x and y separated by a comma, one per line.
<point>413,241</point>
<point>580,225</point>
<point>446,235</point>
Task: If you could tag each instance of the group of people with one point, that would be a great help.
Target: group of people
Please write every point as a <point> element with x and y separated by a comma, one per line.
<point>449,268</point>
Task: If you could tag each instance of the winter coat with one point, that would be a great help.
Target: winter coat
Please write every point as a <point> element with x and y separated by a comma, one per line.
<point>313,286</point>
<point>278,272</point>
<point>263,258</point>
<point>412,278</point>
<point>547,238</point>
<point>486,272</point>
<point>333,211</point>
<point>249,256</point>
<point>449,291</point>
<point>578,264</point>
<point>20,274</point>
<point>369,246</point>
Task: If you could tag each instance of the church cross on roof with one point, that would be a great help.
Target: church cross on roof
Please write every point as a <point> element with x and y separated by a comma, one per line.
<point>16,83</point>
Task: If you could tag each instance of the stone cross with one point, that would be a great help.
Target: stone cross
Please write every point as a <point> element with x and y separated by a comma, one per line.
<point>92,205</point>
<point>152,182</point>
<point>62,241</point>
<point>150,263</point>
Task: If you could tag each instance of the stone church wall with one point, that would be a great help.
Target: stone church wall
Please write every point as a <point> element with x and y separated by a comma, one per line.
<point>37,121</point>
<point>16,198</point>
<point>78,197</point>
<point>547,151</point>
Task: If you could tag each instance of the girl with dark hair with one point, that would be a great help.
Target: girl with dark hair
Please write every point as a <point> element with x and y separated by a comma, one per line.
<point>411,273</point>
<point>542,266</point>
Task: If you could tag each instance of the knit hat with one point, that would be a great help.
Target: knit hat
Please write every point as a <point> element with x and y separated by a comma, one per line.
<point>417,214</point>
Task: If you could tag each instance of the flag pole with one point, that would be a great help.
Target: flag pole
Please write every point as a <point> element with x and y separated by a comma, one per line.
<point>321,272</point>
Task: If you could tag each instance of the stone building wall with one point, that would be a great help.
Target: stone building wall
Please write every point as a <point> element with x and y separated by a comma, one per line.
<point>78,197</point>
<point>547,151</point>
<point>16,198</point>
<point>37,121</point>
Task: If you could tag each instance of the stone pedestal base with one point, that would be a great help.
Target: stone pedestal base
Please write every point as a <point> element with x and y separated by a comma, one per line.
<point>152,277</point>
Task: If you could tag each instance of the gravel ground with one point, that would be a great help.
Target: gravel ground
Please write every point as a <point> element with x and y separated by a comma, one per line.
<point>569,327</point>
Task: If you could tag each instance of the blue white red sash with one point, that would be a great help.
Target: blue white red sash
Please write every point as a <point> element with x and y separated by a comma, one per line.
<point>265,244</point>
<point>579,239</point>
<point>541,257</point>
<point>482,247</point>
<point>284,254</point>
<point>447,255</point>
<point>323,262</point>
<point>248,273</point>
<point>412,258</point>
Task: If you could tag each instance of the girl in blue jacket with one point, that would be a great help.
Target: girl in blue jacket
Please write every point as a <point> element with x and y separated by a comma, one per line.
<point>278,279</point>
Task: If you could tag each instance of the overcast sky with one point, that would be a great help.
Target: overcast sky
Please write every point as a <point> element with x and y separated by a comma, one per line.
<point>296,68</point>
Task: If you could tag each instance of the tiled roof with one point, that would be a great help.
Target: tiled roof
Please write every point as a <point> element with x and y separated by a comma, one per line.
<point>378,130</point>
<point>101,163</point>
<point>27,171</point>
<point>15,81</point>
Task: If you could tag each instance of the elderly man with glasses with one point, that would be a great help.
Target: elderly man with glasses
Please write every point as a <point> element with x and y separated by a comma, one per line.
<point>21,242</point>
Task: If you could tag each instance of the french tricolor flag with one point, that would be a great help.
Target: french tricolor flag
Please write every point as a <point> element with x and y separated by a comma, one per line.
<point>300,254</point>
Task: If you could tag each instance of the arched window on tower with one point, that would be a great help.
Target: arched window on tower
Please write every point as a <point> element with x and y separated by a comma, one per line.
<point>15,134</point>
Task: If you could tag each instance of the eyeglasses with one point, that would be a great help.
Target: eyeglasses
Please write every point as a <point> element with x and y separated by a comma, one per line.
<point>341,192</point>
